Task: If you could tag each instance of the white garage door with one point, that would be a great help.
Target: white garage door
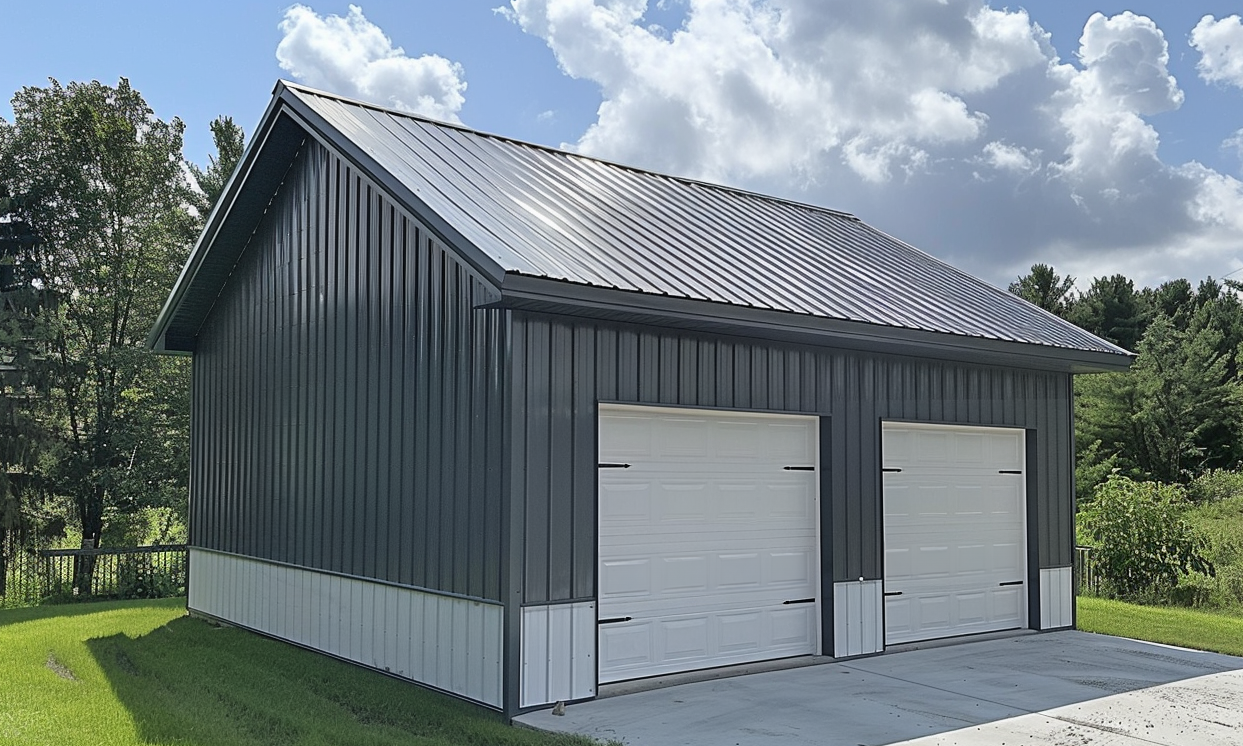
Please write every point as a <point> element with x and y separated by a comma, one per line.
<point>955,554</point>
<point>707,548</point>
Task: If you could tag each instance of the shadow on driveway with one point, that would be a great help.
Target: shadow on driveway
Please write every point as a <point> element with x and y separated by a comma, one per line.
<point>1061,687</point>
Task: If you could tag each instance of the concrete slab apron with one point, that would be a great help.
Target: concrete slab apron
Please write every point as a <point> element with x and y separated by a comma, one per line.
<point>1058,688</point>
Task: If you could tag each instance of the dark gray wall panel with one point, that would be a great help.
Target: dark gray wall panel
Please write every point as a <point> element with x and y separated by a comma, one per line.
<point>564,366</point>
<point>348,404</point>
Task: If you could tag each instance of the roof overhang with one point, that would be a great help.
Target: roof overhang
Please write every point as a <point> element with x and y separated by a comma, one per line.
<point>537,294</point>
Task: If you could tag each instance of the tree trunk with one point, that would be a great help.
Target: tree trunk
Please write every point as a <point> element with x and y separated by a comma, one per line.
<point>92,514</point>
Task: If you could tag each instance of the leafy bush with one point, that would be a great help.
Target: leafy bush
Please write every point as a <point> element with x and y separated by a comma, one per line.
<point>1215,485</point>
<point>139,577</point>
<point>1141,544</point>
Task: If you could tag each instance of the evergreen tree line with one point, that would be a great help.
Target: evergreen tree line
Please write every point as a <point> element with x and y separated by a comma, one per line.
<point>98,212</point>
<point>1178,412</point>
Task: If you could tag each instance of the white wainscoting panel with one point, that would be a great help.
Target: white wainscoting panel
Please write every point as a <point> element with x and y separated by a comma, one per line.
<point>558,653</point>
<point>858,622</point>
<point>450,643</point>
<point>1057,598</point>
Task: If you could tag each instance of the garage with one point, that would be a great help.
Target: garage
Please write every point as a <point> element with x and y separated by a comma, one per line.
<point>708,539</point>
<point>954,507</point>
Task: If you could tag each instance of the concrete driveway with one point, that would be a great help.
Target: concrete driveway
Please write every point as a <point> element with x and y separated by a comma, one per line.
<point>1056,688</point>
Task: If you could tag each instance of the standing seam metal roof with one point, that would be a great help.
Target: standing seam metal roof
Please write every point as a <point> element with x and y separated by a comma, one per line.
<point>540,212</point>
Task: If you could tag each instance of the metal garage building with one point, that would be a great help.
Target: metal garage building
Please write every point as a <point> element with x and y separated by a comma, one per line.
<point>512,423</point>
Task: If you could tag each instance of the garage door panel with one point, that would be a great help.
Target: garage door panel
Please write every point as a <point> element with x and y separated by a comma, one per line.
<point>1007,604</point>
<point>954,530</point>
<point>770,573</point>
<point>626,577</point>
<point>704,539</point>
<point>724,498</point>
<point>625,646</point>
<point>689,641</point>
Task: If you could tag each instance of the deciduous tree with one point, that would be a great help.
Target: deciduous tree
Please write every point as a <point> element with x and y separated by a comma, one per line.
<point>114,230</point>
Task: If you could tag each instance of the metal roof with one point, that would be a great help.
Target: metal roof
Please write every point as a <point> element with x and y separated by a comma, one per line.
<point>537,212</point>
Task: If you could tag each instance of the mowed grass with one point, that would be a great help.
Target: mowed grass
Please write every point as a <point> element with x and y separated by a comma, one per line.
<point>142,672</point>
<point>1188,628</point>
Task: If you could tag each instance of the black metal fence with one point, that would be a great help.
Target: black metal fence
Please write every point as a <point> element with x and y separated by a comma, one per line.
<point>1087,579</point>
<point>41,576</point>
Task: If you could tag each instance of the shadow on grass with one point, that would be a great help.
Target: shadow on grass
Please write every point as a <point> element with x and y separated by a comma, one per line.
<point>192,683</point>
<point>20,614</point>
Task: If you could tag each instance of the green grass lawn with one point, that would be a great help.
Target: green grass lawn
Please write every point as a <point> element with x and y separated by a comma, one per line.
<point>1188,628</point>
<point>142,672</point>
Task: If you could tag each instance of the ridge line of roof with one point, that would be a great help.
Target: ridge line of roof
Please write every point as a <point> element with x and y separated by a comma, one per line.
<point>298,87</point>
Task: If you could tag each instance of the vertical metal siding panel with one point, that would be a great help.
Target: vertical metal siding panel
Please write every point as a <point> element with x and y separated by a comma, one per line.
<point>1045,508</point>
<point>342,391</point>
<point>409,383</point>
<point>843,534</point>
<point>535,655</point>
<point>463,454</point>
<point>435,415</point>
<point>560,413</point>
<point>870,519</point>
<point>706,378</point>
<point>379,504</point>
<point>393,405</point>
<point>725,374</point>
<point>495,516</point>
<point>537,439</point>
<point>742,375</point>
<point>362,418</point>
<point>477,472</point>
<point>423,486</point>
<point>855,450</point>
<point>1062,437</point>
<point>582,461</point>
<point>688,371</point>
<point>447,481</point>
<point>668,375</point>
<point>607,367</point>
<point>649,366</point>
<point>628,365</point>
<point>490,656</point>
<point>761,371</point>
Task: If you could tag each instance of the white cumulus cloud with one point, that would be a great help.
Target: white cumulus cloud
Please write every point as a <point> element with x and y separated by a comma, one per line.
<point>1220,44</point>
<point>952,124</point>
<point>353,57</point>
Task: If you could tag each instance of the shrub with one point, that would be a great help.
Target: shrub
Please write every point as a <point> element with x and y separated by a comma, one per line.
<point>139,577</point>
<point>1141,544</point>
<point>1215,485</point>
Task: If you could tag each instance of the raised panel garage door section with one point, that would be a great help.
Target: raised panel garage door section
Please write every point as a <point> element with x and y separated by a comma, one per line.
<point>707,543</point>
<point>955,553</point>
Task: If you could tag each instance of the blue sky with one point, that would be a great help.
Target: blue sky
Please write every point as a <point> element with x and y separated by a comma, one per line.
<point>990,136</point>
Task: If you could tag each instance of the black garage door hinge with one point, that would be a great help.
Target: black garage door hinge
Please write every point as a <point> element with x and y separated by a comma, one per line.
<point>1009,471</point>
<point>799,601</point>
<point>612,466</point>
<point>1012,582</point>
<point>894,593</point>
<point>799,468</point>
<point>615,620</point>
<point>891,470</point>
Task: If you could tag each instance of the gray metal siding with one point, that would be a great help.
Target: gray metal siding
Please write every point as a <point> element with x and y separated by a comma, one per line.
<point>347,405</point>
<point>564,366</point>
